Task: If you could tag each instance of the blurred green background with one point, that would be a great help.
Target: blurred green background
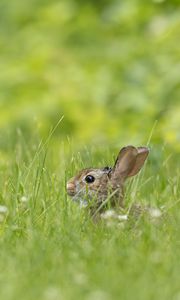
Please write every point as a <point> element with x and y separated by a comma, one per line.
<point>110,67</point>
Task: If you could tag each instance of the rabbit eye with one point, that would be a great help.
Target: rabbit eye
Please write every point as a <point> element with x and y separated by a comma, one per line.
<point>90,179</point>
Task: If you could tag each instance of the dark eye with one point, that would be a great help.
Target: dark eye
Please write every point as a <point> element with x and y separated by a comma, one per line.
<point>89,179</point>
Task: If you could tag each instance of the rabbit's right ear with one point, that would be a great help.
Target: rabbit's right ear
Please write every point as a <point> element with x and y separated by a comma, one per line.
<point>128,163</point>
<point>124,164</point>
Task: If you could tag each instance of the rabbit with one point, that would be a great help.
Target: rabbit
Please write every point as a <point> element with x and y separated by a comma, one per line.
<point>96,188</point>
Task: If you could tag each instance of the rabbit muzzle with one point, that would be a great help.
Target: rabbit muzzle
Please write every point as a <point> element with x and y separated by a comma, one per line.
<point>71,189</point>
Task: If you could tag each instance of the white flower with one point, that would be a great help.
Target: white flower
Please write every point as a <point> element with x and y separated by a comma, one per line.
<point>122,217</point>
<point>24,199</point>
<point>3,209</point>
<point>109,214</point>
<point>155,212</point>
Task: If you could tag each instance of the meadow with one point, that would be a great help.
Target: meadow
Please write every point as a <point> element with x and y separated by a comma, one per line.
<point>78,81</point>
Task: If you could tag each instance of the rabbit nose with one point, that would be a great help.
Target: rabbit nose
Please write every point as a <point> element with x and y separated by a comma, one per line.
<point>70,188</point>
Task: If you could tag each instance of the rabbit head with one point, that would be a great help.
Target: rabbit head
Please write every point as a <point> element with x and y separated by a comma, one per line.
<point>96,185</point>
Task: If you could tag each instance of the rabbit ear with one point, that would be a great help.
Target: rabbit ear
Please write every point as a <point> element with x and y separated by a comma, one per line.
<point>140,159</point>
<point>128,163</point>
<point>124,163</point>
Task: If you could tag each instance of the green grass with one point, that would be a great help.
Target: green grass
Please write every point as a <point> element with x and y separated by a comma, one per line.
<point>50,248</point>
<point>112,69</point>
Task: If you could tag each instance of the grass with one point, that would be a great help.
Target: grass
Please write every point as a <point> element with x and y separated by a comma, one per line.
<point>111,68</point>
<point>50,249</point>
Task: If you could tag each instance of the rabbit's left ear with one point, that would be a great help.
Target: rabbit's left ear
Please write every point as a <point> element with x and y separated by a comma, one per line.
<point>140,159</point>
<point>128,163</point>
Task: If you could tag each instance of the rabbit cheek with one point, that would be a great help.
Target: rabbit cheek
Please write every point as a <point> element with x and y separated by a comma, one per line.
<point>97,188</point>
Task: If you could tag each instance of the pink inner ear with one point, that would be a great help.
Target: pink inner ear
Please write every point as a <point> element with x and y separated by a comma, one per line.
<point>124,164</point>
<point>128,163</point>
<point>140,159</point>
